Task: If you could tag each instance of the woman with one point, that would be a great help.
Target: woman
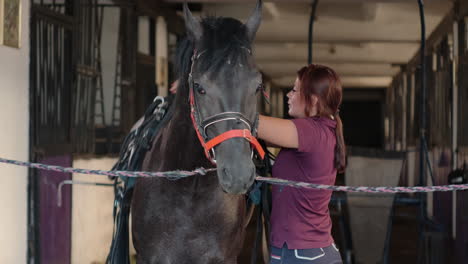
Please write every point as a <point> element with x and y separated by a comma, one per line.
<point>312,150</point>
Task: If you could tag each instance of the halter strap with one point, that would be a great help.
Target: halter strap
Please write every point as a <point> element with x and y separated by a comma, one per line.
<point>236,133</point>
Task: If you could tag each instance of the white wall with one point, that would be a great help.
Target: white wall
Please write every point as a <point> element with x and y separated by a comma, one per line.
<point>143,35</point>
<point>110,34</point>
<point>162,67</point>
<point>14,144</point>
<point>92,220</point>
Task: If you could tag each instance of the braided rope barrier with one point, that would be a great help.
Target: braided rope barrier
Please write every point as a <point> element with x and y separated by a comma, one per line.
<point>364,189</point>
<point>179,174</point>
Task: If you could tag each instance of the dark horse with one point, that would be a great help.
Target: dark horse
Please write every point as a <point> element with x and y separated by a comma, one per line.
<point>202,219</point>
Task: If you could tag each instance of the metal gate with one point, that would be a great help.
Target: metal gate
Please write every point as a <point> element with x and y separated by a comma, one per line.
<point>51,87</point>
<point>65,76</point>
<point>88,17</point>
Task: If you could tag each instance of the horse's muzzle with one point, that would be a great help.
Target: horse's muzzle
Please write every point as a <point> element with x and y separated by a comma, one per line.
<point>236,180</point>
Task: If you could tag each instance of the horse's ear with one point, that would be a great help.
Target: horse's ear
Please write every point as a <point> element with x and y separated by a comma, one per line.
<point>193,26</point>
<point>253,23</point>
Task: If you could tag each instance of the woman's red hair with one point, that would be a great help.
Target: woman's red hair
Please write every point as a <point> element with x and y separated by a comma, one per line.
<point>324,83</point>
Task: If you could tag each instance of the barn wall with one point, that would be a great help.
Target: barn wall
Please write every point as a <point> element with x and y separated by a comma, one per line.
<point>92,220</point>
<point>14,144</point>
<point>447,49</point>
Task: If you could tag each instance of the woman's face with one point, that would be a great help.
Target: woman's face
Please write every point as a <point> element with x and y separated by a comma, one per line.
<point>295,103</point>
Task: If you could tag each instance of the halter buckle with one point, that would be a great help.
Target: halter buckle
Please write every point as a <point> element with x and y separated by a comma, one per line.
<point>247,135</point>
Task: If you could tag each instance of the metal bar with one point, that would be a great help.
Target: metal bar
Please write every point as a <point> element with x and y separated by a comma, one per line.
<point>422,130</point>
<point>455,61</point>
<point>311,29</point>
<point>71,182</point>
<point>423,115</point>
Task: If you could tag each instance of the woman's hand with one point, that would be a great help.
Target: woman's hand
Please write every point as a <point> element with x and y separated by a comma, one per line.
<point>278,132</point>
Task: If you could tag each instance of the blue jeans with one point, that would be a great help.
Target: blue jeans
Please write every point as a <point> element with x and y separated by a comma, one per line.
<point>328,255</point>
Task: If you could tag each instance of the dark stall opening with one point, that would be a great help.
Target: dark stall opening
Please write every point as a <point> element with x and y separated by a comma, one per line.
<point>362,112</point>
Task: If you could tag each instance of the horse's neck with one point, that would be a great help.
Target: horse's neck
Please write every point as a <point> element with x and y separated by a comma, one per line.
<point>178,145</point>
<point>180,127</point>
<point>177,148</point>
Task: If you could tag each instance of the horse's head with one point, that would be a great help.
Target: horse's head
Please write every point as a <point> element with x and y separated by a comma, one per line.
<point>223,84</point>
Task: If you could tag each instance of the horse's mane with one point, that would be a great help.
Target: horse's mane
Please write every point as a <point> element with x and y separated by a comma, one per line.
<point>223,39</point>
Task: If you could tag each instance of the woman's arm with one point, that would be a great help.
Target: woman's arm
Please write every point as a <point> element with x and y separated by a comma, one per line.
<point>277,131</point>
<point>271,145</point>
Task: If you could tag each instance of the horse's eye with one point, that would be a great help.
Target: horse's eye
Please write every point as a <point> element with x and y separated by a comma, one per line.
<point>199,89</point>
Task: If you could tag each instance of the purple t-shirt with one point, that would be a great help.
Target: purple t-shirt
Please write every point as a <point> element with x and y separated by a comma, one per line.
<point>300,217</point>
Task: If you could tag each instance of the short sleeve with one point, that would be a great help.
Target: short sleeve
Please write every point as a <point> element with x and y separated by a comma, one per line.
<point>308,133</point>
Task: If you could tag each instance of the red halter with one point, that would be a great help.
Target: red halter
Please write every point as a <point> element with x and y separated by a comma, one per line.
<point>235,133</point>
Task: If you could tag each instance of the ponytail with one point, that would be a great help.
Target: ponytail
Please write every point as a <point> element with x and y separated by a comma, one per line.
<point>340,148</point>
<point>323,82</point>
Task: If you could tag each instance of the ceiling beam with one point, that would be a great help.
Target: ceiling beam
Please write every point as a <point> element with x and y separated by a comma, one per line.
<point>286,69</point>
<point>268,41</point>
<point>344,76</point>
<point>270,10</point>
<point>291,1</point>
<point>391,53</point>
<point>347,81</point>
<point>326,61</point>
